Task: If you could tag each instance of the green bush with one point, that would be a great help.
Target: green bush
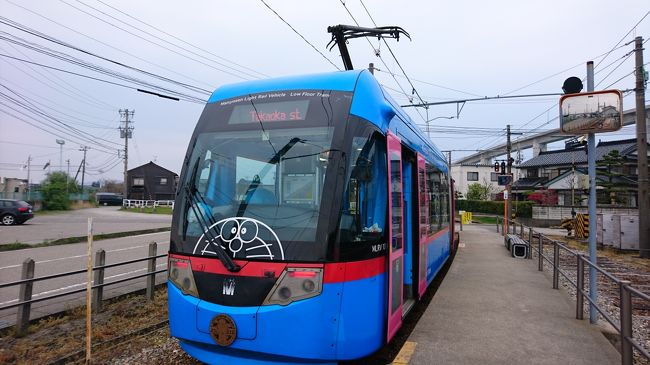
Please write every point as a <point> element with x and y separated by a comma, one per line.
<point>55,194</point>
<point>523,209</point>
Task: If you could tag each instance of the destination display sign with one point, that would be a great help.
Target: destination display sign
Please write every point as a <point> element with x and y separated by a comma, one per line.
<point>592,112</point>
<point>291,110</point>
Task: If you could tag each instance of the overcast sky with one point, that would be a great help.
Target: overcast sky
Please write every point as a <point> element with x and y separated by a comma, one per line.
<point>458,50</point>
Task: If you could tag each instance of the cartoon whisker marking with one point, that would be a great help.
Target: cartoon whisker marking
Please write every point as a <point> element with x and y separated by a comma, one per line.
<point>267,245</point>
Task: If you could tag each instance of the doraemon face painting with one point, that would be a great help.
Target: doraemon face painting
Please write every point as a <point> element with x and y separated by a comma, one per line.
<point>242,237</point>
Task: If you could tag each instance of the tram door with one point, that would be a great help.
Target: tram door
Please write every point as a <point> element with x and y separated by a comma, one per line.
<point>396,234</point>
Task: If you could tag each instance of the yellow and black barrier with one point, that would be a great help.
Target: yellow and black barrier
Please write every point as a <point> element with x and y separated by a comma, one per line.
<point>582,226</point>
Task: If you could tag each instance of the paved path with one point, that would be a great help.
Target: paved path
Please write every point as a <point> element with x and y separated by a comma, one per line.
<point>75,223</point>
<point>494,309</point>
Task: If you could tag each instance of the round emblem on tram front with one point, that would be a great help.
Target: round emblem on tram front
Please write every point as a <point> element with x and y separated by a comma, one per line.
<point>223,330</point>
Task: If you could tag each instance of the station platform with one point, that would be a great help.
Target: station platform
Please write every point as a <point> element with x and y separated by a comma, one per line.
<point>492,308</point>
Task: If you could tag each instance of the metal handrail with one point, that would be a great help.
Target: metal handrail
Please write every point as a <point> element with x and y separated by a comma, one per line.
<point>76,272</point>
<point>75,291</point>
<point>624,325</point>
<point>25,298</point>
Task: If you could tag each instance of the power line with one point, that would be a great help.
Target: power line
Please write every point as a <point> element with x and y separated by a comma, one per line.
<point>105,44</point>
<point>155,43</point>
<point>80,121</point>
<point>185,42</point>
<point>300,35</point>
<point>63,136</point>
<point>70,59</point>
<point>187,98</point>
<point>622,39</point>
<point>35,110</point>
<point>61,86</point>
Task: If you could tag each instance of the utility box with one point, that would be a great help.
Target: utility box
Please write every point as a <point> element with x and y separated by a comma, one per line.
<point>618,231</point>
<point>629,232</point>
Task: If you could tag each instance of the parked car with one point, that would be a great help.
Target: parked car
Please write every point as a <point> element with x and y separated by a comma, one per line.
<point>108,199</point>
<point>15,211</point>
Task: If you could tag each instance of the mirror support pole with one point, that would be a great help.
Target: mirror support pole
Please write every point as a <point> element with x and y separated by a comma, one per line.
<point>591,158</point>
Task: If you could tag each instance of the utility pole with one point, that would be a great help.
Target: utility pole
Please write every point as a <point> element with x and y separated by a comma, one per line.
<point>591,168</point>
<point>67,179</point>
<point>509,186</point>
<point>29,168</point>
<point>126,132</point>
<point>83,166</point>
<point>642,152</point>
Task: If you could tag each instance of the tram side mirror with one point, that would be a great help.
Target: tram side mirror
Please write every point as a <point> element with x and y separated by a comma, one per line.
<point>593,112</point>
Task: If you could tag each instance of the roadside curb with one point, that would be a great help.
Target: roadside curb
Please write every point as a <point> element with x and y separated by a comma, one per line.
<point>78,239</point>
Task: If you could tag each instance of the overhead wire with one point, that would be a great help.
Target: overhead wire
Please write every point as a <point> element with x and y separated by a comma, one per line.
<point>381,58</point>
<point>56,133</point>
<point>300,35</point>
<point>187,43</point>
<point>156,43</point>
<point>66,128</point>
<point>121,50</point>
<point>81,63</point>
<point>190,99</point>
<point>61,86</point>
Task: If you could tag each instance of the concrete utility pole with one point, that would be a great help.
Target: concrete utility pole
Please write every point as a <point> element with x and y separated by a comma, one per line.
<point>126,132</point>
<point>83,166</point>
<point>642,153</point>
<point>29,168</point>
<point>591,168</point>
<point>67,179</point>
<point>509,171</point>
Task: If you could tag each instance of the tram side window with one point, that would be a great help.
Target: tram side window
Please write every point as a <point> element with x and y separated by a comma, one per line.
<point>363,213</point>
<point>444,203</point>
<point>424,204</point>
<point>434,191</point>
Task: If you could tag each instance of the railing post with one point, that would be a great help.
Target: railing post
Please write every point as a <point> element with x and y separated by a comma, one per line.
<point>556,265</point>
<point>540,251</point>
<point>151,265</point>
<point>529,254</point>
<point>98,280</point>
<point>25,294</point>
<point>626,324</point>
<point>580,284</point>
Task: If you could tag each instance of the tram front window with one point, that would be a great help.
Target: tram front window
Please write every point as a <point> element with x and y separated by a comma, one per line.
<point>259,192</point>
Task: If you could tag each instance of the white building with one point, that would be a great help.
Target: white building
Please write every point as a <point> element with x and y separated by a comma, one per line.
<point>467,174</point>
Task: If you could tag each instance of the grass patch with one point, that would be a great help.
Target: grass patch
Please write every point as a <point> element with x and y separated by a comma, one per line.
<point>149,210</point>
<point>55,338</point>
<point>484,219</point>
<point>79,239</point>
<point>14,246</point>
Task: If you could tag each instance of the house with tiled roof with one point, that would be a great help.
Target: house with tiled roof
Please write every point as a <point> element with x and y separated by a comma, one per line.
<point>565,172</point>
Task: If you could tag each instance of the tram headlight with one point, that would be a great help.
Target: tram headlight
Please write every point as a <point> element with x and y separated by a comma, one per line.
<point>180,274</point>
<point>296,284</point>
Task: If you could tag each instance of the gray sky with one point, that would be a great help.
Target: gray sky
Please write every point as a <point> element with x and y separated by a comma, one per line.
<point>459,50</point>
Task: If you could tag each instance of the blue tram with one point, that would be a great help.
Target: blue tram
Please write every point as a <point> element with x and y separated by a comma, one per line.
<point>311,214</point>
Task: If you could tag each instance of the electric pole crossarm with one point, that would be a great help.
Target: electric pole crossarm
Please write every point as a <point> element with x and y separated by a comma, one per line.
<point>341,33</point>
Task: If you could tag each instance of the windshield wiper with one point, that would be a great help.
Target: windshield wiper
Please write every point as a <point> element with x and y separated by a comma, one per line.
<point>196,200</point>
